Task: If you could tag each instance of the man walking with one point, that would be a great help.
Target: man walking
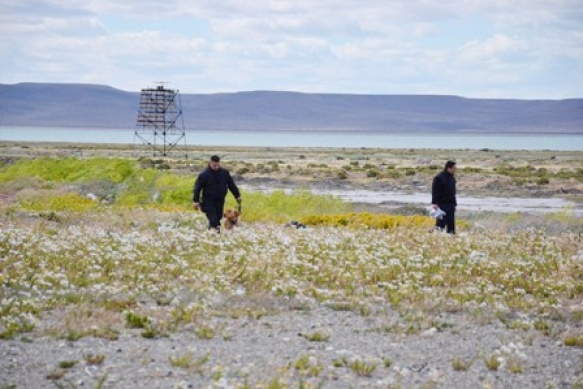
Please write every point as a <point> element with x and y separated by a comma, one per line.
<point>214,183</point>
<point>443,197</point>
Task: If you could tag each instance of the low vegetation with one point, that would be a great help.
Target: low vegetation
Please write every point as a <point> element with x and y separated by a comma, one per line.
<point>98,240</point>
<point>84,259</point>
<point>367,220</point>
<point>75,185</point>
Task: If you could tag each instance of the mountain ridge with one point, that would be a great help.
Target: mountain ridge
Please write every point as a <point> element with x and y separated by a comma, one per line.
<point>103,106</point>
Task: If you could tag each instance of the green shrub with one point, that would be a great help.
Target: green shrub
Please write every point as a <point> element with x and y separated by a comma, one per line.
<point>70,169</point>
<point>134,320</point>
<point>469,169</point>
<point>392,174</point>
<point>67,364</point>
<point>362,368</point>
<point>573,341</point>
<point>242,171</point>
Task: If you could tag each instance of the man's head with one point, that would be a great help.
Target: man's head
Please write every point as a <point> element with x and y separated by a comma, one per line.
<point>450,167</point>
<point>215,162</point>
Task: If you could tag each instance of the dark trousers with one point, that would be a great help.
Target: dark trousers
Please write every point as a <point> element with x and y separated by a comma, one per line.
<point>214,212</point>
<point>448,221</point>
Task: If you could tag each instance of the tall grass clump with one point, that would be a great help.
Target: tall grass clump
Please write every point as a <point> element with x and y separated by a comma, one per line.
<point>139,189</point>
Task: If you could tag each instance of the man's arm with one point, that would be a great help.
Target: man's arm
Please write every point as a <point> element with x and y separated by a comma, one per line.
<point>198,184</point>
<point>435,191</point>
<point>454,193</point>
<point>232,186</point>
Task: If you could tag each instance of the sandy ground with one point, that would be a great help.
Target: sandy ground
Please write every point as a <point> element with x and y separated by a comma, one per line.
<point>260,350</point>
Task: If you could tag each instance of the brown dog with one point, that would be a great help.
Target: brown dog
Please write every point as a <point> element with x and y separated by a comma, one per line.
<point>231,219</point>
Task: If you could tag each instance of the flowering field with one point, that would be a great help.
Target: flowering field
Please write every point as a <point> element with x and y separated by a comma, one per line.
<point>47,265</point>
<point>111,262</point>
<point>107,253</point>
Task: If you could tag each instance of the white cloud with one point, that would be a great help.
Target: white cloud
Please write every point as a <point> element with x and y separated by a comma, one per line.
<point>491,50</point>
<point>378,46</point>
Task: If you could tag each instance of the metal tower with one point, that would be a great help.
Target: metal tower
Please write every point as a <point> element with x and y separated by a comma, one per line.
<point>160,125</point>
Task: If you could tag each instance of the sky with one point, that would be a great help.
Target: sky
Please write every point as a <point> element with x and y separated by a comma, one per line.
<point>525,49</point>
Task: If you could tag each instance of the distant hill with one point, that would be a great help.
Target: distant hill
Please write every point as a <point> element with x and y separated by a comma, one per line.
<point>97,106</point>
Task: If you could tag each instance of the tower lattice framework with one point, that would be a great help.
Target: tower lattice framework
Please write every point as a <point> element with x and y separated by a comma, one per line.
<point>160,125</point>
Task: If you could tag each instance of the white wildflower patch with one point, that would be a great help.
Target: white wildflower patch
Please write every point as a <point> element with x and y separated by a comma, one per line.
<point>43,267</point>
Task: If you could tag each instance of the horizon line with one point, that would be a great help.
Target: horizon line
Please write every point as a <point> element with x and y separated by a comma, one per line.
<point>295,92</point>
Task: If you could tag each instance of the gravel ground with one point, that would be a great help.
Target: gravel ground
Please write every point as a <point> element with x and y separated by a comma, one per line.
<point>257,351</point>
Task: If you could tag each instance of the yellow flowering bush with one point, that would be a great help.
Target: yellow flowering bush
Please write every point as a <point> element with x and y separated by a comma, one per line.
<point>365,219</point>
<point>71,202</point>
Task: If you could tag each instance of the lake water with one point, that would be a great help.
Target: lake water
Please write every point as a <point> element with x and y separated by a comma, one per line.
<point>306,139</point>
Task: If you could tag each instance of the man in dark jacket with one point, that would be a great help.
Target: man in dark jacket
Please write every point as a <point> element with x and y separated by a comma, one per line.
<point>443,196</point>
<point>214,183</point>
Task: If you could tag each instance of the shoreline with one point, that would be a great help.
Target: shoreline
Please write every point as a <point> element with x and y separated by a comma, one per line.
<point>348,139</point>
<point>139,150</point>
<point>363,175</point>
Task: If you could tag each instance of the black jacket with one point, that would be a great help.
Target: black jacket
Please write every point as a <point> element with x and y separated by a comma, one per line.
<point>214,185</point>
<point>443,189</point>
